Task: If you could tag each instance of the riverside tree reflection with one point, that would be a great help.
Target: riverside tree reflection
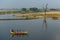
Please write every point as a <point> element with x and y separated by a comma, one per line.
<point>44,20</point>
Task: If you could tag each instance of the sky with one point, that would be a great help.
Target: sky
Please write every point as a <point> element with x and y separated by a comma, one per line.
<point>9,4</point>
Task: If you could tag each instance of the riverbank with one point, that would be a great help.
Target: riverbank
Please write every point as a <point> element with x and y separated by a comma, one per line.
<point>40,14</point>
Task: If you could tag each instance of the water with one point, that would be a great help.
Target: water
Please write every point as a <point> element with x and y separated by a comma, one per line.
<point>35,29</point>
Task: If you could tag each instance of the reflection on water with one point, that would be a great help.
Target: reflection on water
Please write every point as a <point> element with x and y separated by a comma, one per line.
<point>44,25</point>
<point>18,37</point>
<point>6,16</point>
<point>55,18</point>
<point>33,27</point>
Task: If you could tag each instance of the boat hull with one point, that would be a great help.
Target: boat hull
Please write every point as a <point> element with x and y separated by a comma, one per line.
<point>19,33</point>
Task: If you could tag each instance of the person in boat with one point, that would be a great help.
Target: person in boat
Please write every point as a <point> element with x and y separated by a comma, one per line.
<point>17,33</point>
<point>12,30</point>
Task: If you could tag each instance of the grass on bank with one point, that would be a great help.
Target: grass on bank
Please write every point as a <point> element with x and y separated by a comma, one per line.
<point>40,14</point>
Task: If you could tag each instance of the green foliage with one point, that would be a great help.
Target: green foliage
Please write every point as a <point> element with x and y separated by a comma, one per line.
<point>53,9</point>
<point>24,9</point>
<point>34,9</point>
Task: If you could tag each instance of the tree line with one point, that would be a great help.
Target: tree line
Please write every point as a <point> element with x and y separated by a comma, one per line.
<point>34,9</point>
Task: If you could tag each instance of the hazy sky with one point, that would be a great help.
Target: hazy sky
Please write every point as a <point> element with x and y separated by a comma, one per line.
<point>9,4</point>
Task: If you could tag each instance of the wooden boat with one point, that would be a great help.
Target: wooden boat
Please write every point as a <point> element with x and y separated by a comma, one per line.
<point>17,33</point>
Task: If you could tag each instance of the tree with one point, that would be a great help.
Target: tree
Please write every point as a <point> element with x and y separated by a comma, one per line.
<point>34,9</point>
<point>24,9</point>
<point>52,9</point>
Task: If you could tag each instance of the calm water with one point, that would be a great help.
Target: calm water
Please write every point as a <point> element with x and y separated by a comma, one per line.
<point>35,28</point>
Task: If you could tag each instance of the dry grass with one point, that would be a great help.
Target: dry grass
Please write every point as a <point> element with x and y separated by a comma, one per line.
<point>40,14</point>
